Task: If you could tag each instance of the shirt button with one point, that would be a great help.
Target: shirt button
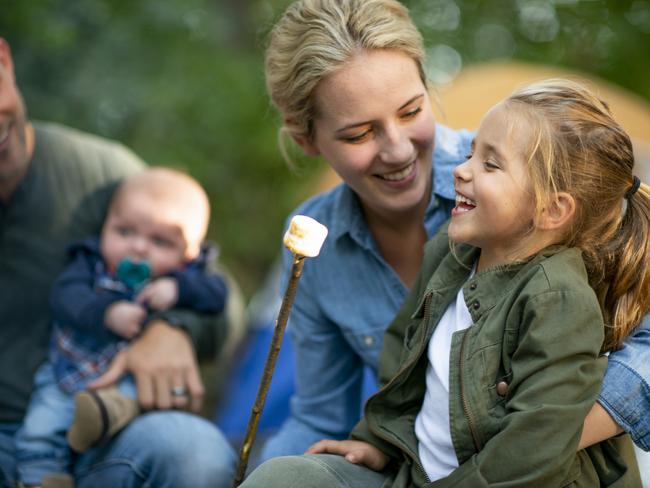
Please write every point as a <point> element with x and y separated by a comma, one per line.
<point>502,388</point>
<point>476,305</point>
<point>369,341</point>
<point>472,286</point>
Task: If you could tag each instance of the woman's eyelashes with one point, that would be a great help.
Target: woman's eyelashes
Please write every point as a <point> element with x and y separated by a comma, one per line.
<point>411,113</point>
<point>356,138</point>
<point>362,136</point>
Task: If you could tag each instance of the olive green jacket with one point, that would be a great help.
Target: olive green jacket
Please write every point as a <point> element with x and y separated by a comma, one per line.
<point>521,380</point>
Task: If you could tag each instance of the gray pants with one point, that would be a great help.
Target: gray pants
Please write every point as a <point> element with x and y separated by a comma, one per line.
<point>313,471</point>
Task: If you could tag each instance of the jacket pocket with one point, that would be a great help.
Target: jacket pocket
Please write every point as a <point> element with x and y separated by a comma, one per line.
<point>581,474</point>
<point>493,371</point>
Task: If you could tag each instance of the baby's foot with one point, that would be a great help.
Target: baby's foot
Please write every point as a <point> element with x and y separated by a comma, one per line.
<point>99,414</point>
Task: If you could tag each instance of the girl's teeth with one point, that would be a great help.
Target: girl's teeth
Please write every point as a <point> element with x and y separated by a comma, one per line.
<point>463,199</point>
<point>398,175</point>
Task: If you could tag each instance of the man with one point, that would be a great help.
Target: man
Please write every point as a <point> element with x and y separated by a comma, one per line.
<point>55,184</point>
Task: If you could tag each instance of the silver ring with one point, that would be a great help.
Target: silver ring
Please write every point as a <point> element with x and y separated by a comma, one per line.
<point>179,391</point>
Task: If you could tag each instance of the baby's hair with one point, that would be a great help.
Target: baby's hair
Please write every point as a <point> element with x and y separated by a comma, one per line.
<point>314,38</point>
<point>180,195</point>
<point>578,148</point>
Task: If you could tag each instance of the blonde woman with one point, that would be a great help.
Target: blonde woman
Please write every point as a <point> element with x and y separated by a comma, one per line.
<point>347,77</point>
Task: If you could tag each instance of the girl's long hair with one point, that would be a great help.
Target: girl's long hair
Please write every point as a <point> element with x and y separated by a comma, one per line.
<point>580,149</point>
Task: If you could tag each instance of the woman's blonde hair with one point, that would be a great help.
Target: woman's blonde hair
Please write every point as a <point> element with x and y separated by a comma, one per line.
<point>580,149</point>
<point>314,38</point>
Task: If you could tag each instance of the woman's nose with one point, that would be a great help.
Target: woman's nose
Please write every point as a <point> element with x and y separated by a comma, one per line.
<point>396,147</point>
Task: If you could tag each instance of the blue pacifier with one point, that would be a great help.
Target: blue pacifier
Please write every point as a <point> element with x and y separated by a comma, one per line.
<point>133,274</point>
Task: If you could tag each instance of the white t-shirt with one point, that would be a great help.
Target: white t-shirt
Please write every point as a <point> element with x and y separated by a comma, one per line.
<point>435,448</point>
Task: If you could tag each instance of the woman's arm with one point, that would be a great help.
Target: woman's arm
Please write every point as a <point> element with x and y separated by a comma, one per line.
<point>624,401</point>
<point>328,378</point>
<point>599,425</point>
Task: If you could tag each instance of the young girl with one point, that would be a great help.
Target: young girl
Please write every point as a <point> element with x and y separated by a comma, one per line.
<point>494,360</point>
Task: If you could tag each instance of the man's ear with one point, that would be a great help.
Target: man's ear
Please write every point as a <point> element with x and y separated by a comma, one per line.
<point>5,58</point>
<point>304,142</point>
<point>559,212</point>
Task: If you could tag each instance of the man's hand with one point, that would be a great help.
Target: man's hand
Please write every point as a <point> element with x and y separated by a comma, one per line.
<point>125,318</point>
<point>355,452</point>
<point>160,294</point>
<point>161,360</point>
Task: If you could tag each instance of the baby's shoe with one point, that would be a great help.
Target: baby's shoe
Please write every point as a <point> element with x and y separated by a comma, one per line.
<point>98,415</point>
<point>57,480</point>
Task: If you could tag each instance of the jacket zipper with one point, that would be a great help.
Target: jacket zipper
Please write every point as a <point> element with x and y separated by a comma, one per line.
<point>396,442</point>
<point>466,408</point>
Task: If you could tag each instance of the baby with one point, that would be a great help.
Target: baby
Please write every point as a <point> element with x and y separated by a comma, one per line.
<point>149,258</point>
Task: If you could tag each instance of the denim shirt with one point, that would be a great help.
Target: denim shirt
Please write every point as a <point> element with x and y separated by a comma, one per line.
<point>347,297</point>
<point>626,389</point>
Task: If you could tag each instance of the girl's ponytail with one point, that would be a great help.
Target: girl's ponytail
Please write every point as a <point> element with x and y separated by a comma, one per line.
<point>626,299</point>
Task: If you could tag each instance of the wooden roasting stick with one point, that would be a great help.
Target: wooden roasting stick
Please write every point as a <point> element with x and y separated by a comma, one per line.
<point>304,238</point>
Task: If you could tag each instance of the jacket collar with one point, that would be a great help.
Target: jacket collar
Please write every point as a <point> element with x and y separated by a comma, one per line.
<point>487,287</point>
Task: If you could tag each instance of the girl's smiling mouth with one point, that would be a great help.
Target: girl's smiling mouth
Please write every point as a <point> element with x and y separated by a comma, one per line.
<point>463,204</point>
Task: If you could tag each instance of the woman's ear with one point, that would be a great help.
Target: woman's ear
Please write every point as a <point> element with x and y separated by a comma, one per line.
<point>559,212</point>
<point>304,142</point>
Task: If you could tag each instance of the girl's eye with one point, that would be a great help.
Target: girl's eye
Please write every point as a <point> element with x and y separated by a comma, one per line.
<point>490,165</point>
<point>412,113</point>
<point>468,156</point>
<point>124,231</point>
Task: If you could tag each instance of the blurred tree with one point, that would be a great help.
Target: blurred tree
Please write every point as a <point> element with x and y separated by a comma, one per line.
<point>182,83</point>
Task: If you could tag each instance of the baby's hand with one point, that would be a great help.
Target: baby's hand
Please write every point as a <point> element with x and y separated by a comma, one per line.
<point>355,452</point>
<point>125,318</point>
<point>160,294</point>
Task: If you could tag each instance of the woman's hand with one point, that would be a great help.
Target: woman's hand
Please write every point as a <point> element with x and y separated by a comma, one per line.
<point>355,452</point>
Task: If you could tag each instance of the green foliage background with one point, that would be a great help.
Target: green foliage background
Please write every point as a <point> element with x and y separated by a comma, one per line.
<point>182,83</point>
